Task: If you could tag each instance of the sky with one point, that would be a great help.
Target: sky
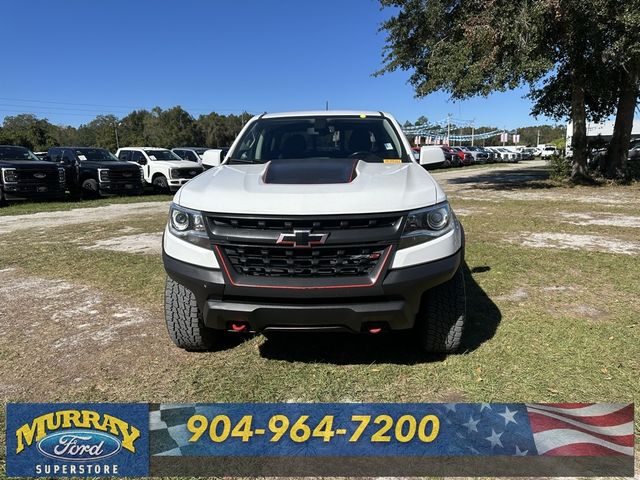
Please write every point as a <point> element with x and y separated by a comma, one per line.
<point>71,60</point>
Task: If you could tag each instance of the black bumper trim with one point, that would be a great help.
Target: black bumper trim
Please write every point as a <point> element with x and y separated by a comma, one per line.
<point>394,304</point>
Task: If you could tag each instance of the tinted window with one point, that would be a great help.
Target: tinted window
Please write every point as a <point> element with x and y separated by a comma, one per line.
<point>16,153</point>
<point>136,156</point>
<point>372,139</point>
<point>189,155</point>
<point>67,156</point>
<point>125,155</point>
<point>98,154</point>
<point>162,155</point>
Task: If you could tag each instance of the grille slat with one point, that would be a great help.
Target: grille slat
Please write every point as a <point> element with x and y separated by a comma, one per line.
<point>186,172</point>
<point>259,261</point>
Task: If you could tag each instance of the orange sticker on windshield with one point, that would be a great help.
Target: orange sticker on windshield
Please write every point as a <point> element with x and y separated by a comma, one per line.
<point>392,160</point>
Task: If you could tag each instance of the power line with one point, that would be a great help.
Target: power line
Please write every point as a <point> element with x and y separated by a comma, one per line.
<point>122,107</point>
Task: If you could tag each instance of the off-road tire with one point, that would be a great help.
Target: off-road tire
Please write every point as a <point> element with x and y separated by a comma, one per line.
<point>160,184</point>
<point>184,319</point>
<point>90,188</point>
<point>440,322</point>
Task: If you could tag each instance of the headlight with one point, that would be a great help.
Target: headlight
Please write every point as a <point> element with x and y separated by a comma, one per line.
<point>61,176</point>
<point>188,225</point>
<point>426,224</point>
<point>9,175</point>
<point>173,173</point>
<point>103,174</point>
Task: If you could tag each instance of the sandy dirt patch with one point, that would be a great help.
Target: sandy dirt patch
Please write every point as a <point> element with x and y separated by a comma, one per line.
<point>61,338</point>
<point>607,198</point>
<point>604,219</point>
<point>46,220</point>
<point>143,243</point>
<point>517,295</point>
<point>568,241</point>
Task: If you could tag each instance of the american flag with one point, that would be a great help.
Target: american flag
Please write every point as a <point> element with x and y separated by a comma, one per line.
<point>582,429</point>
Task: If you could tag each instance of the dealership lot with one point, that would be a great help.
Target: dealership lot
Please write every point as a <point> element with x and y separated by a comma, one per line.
<point>553,309</point>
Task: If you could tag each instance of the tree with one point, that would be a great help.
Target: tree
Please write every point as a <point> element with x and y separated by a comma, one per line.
<point>174,127</point>
<point>475,47</point>
<point>623,55</point>
<point>131,129</point>
<point>221,130</point>
<point>29,131</point>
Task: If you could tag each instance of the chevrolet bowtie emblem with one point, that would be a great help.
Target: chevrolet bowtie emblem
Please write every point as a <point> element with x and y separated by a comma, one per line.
<point>302,239</point>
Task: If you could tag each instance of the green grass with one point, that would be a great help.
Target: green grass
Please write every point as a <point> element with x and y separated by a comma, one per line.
<point>22,208</point>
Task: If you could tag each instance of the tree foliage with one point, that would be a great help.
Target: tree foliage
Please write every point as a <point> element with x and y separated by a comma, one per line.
<point>168,128</point>
<point>567,51</point>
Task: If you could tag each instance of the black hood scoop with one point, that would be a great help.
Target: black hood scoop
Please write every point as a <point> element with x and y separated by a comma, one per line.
<point>311,171</point>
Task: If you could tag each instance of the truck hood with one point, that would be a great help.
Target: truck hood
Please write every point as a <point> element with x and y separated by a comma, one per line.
<point>29,164</point>
<point>109,164</point>
<point>374,187</point>
<point>175,164</point>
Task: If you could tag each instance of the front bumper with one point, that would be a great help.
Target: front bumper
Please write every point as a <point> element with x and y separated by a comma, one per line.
<point>176,183</point>
<point>391,304</point>
<point>32,192</point>
<point>121,188</point>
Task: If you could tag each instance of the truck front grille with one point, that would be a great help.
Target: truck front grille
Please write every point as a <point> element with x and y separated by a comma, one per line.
<point>186,172</point>
<point>38,177</point>
<point>266,261</point>
<point>125,176</point>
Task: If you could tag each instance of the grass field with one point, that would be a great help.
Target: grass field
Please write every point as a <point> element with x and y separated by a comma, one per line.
<point>553,315</point>
<point>22,208</point>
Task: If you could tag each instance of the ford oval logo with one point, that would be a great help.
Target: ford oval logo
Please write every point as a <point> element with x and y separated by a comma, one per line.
<point>79,445</point>
<point>39,175</point>
<point>192,172</point>
<point>127,174</point>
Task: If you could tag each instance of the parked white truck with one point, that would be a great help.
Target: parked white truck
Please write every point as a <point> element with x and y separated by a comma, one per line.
<point>315,221</point>
<point>162,169</point>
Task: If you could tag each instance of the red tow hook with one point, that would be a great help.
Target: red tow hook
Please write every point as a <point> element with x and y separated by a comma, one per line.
<point>375,330</point>
<point>239,327</point>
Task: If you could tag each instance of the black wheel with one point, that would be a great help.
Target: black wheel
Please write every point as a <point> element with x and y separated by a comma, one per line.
<point>3,200</point>
<point>184,319</point>
<point>90,188</point>
<point>440,322</point>
<point>160,184</point>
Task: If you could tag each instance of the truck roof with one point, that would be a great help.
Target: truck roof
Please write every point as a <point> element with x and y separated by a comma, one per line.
<point>323,113</point>
<point>143,148</point>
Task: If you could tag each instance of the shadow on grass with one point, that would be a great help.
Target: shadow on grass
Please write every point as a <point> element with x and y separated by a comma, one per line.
<point>483,317</point>
<point>534,177</point>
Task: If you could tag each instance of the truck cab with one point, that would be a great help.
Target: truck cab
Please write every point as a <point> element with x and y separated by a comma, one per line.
<point>191,154</point>
<point>25,177</point>
<point>162,169</point>
<point>96,172</point>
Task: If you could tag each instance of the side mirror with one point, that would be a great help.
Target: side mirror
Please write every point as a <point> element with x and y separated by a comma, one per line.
<point>431,155</point>
<point>142,161</point>
<point>212,158</point>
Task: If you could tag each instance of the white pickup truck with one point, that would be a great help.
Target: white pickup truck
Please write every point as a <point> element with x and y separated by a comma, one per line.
<point>162,169</point>
<point>315,221</point>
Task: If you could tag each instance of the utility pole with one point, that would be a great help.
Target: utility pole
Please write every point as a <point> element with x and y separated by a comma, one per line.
<point>448,129</point>
<point>538,143</point>
<point>473,130</point>
<point>326,105</point>
<point>115,127</point>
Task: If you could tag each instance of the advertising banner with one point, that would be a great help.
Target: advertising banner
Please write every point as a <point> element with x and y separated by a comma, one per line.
<point>352,439</point>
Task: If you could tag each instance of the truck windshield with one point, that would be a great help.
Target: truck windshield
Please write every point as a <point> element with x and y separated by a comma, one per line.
<point>372,139</point>
<point>16,153</point>
<point>162,155</point>
<point>95,154</point>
